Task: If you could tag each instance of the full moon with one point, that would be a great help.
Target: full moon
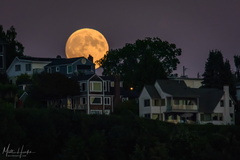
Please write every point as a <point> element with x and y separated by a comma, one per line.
<point>85,42</point>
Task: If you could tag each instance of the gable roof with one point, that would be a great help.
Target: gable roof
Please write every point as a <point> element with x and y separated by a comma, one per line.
<point>152,91</point>
<point>208,97</point>
<point>28,58</point>
<point>63,61</point>
<point>176,88</point>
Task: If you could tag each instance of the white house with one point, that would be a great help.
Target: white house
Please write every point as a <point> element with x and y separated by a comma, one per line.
<point>174,101</point>
<point>26,65</point>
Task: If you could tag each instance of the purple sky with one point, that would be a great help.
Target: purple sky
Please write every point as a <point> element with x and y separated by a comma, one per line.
<point>195,26</point>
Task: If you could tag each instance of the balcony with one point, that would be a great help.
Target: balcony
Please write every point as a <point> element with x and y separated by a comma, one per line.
<point>182,108</point>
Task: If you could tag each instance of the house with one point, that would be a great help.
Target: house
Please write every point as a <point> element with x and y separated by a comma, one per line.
<point>2,56</point>
<point>71,66</point>
<point>98,95</point>
<point>26,65</point>
<point>173,101</point>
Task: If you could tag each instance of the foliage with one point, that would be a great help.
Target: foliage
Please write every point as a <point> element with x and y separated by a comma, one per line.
<point>8,92</point>
<point>53,86</point>
<point>3,78</point>
<point>142,62</point>
<point>23,79</point>
<point>218,73</point>
<point>237,65</point>
<point>14,48</point>
<point>63,134</point>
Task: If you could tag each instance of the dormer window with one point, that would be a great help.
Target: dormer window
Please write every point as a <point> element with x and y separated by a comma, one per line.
<point>69,69</point>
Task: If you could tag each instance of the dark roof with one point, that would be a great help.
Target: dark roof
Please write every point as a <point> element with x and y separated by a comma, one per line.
<point>62,61</point>
<point>82,77</point>
<point>209,98</point>
<point>152,91</point>
<point>35,58</point>
<point>176,88</point>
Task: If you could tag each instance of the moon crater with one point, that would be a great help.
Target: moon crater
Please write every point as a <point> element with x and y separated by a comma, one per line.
<point>85,42</point>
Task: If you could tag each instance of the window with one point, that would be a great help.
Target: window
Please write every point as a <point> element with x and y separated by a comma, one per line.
<point>147,116</point>
<point>83,100</point>
<point>155,116</point>
<point>205,117</point>
<point>107,100</point>
<point>112,84</point>
<point>156,102</point>
<point>28,67</point>
<point>124,99</point>
<point>83,86</point>
<point>49,70</point>
<point>95,112</point>
<point>162,102</point>
<point>221,103</point>
<point>106,86</point>
<point>146,102</point>
<point>1,49</point>
<point>217,116</point>
<point>1,62</point>
<point>69,69</point>
<point>176,102</point>
<point>57,69</point>
<point>96,100</point>
<point>96,86</point>
<point>18,67</point>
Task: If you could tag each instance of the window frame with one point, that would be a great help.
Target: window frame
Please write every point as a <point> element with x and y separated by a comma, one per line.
<point>18,69</point>
<point>69,72</point>
<point>91,101</point>
<point>92,89</point>
<point>28,67</point>
<point>107,99</point>
<point>146,103</point>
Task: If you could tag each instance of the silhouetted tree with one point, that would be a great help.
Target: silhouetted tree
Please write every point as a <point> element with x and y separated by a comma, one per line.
<point>142,62</point>
<point>53,86</point>
<point>218,73</point>
<point>14,48</point>
<point>237,65</point>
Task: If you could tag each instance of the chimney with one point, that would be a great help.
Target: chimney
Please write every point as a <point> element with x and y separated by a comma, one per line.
<point>90,58</point>
<point>226,113</point>
<point>117,99</point>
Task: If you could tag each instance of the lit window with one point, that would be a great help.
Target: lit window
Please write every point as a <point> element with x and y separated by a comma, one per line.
<point>18,67</point>
<point>69,69</point>
<point>112,84</point>
<point>96,86</point>
<point>107,101</point>
<point>96,100</point>
<point>28,67</point>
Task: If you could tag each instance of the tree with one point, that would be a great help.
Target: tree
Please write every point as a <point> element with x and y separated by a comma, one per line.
<point>142,62</point>
<point>14,48</point>
<point>237,65</point>
<point>54,86</point>
<point>218,73</point>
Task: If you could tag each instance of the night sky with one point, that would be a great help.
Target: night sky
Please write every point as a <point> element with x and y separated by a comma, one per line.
<point>195,26</point>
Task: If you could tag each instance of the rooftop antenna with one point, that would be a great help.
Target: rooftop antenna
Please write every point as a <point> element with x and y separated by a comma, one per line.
<point>184,69</point>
